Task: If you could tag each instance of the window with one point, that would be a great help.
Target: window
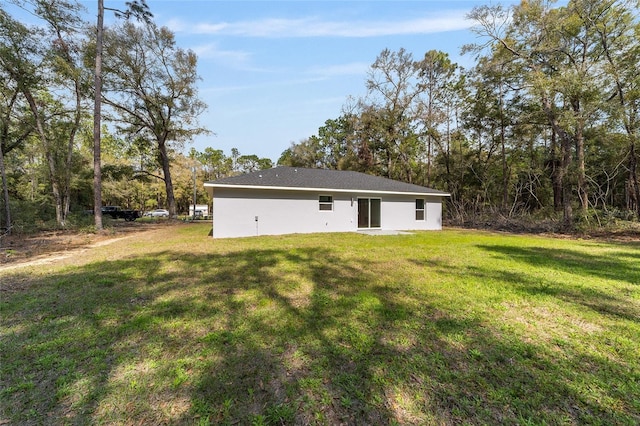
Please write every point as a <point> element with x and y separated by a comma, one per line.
<point>326,202</point>
<point>419,209</point>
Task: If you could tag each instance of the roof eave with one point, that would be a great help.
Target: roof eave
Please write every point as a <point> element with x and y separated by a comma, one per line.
<point>309,189</point>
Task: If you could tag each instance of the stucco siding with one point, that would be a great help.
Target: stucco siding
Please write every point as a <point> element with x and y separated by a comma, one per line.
<point>287,212</point>
<point>399,213</point>
<point>277,212</point>
<point>434,213</point>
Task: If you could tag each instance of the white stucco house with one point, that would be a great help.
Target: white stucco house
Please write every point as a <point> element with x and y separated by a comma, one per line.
<point>288,200</point>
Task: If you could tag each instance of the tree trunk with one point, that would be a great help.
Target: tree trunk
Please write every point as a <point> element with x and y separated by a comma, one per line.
<point>429,136</point>
<point>556,175</point>
<point>55,188</point>
<point>164,158</point>
<point>566,183</point>
<point>583,195</point>
<point>565,144</point>
<point>505,175</point>
<point>633,177</point>
<point>97,165</point>
<point>505,169</point>
<point>429,149</point>
<point>5,195</point>
<point>66,195</point>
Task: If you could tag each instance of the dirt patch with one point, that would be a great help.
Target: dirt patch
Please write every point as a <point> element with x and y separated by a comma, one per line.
<point>45,247</point>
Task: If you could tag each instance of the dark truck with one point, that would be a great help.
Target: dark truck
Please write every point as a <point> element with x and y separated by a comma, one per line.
<point>117,213</point>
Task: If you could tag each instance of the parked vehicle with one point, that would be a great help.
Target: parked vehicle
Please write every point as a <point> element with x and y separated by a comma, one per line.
<point>118,213</point>
<point>157,213</point>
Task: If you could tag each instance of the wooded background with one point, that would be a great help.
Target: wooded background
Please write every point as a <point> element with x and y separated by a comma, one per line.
<point>545,125</point>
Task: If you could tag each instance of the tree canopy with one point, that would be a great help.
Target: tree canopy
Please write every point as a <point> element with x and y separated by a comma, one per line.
<point>545,123</point>
<point>547,119</point>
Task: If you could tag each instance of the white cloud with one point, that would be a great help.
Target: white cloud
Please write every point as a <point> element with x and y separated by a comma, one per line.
<point>354,68</point>
<point>212,51</point>
<point>314,27</point>
<point>176,25</point>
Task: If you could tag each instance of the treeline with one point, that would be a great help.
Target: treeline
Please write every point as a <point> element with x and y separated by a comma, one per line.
<point>545,123</point>
<point>49,100</point>
<point>133,178</point>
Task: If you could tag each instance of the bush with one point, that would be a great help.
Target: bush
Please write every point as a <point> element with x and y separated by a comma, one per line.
<point>28,216</point>
<point>595,222</point>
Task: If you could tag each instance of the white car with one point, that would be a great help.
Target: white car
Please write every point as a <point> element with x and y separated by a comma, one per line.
<point>157,213</point>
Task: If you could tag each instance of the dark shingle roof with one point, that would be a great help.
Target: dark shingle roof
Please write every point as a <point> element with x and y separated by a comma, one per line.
<point>307,179</point>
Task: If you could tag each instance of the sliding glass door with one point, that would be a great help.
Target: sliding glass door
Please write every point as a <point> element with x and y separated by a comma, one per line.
<point>369,212</point>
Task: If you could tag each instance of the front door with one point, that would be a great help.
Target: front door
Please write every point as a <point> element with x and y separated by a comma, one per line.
<point>369,212</point>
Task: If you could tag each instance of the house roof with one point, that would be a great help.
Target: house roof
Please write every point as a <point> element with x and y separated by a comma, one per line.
<point>302,179</point>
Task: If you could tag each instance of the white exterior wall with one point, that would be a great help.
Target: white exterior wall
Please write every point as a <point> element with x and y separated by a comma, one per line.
<point>289,212</point>
<point>398,212</point>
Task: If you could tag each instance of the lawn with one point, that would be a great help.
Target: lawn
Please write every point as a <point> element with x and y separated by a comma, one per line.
<point>455,327</point>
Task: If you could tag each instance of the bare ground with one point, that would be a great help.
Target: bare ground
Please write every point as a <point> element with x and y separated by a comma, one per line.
<point>624,232</point>
<point>17,251</point>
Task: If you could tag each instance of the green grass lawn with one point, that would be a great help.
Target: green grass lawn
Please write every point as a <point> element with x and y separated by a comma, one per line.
<point>453,327</point>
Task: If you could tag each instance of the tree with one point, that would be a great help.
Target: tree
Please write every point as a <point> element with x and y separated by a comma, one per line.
<point>494,107</point>
<point>553,49</point>
<point>252,163</point>
<point>151,85</point>
<point>66,62</point>
<point>549,117</point>
<point>19,60</point>
<point>436,72</point>
<point>216,165</point>
<point>618,31</point>
<point>16,124</point>
<point>43,63</point>
<point>140,10</point>
<point>391,105</point>
<point>331,148</point>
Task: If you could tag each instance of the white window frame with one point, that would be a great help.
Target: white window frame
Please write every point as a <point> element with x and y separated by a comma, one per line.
<point>423,210</point>
<point>325,203</point>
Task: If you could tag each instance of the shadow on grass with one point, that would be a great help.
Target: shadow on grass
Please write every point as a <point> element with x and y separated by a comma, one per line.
<point>291,336</point>
<point>614,266</point>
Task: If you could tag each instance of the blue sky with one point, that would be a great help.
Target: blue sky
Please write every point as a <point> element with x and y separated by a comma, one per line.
<point>274,71</point>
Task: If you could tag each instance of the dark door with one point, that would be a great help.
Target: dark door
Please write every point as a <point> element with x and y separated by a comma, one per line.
<point>369,212</point>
